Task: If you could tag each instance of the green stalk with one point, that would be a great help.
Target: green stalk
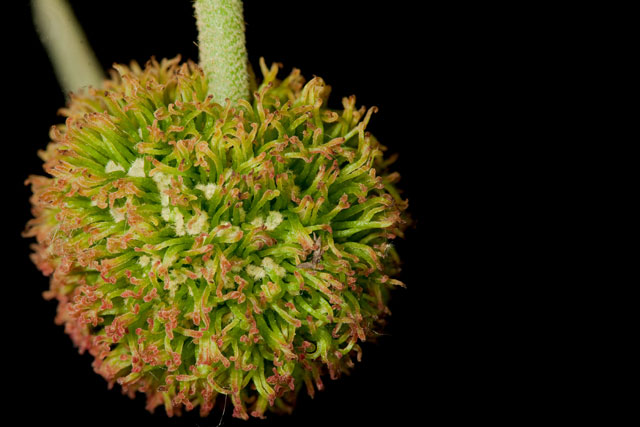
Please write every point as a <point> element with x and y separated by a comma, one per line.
<point>223,54</point>
<point>74,62</point>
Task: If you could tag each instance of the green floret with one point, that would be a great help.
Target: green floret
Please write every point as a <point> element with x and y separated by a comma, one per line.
<point>198,249</point>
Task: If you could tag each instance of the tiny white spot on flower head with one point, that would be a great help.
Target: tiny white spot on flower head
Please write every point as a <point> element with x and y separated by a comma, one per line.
<point>166,214</point>
<point>161,179</point>
<point>170,258</point>
<point>117,214</point>
<point>137,168</point>
<point>273,220</point>
<point>144,260</point>
<point>256,272</point>
<point>175,278</point>
<point>111,166</point>
<point>178,277</point>
<point>163,182</point>
<point>257,221</point>
<point>208,190</point>
<point>269,264</point>
<point>179,219</point>
<point>196,225</point>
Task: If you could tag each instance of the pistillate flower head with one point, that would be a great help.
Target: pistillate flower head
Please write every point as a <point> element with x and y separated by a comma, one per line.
<point>198,249</point>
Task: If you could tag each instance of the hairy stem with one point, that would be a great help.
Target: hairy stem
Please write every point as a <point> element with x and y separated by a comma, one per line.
<point>74,62</point>
<point>223,54</point>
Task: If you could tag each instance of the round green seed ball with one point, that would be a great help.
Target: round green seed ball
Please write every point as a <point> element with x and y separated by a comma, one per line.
<point>198,249</point>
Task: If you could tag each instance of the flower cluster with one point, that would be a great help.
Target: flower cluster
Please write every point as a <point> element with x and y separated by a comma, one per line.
<point>198,249</point>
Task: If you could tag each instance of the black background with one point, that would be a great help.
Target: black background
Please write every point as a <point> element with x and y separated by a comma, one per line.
<point>377,51</point>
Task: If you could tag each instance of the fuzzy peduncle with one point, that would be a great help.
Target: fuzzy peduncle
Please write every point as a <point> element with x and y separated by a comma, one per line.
<point>223,54</point>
